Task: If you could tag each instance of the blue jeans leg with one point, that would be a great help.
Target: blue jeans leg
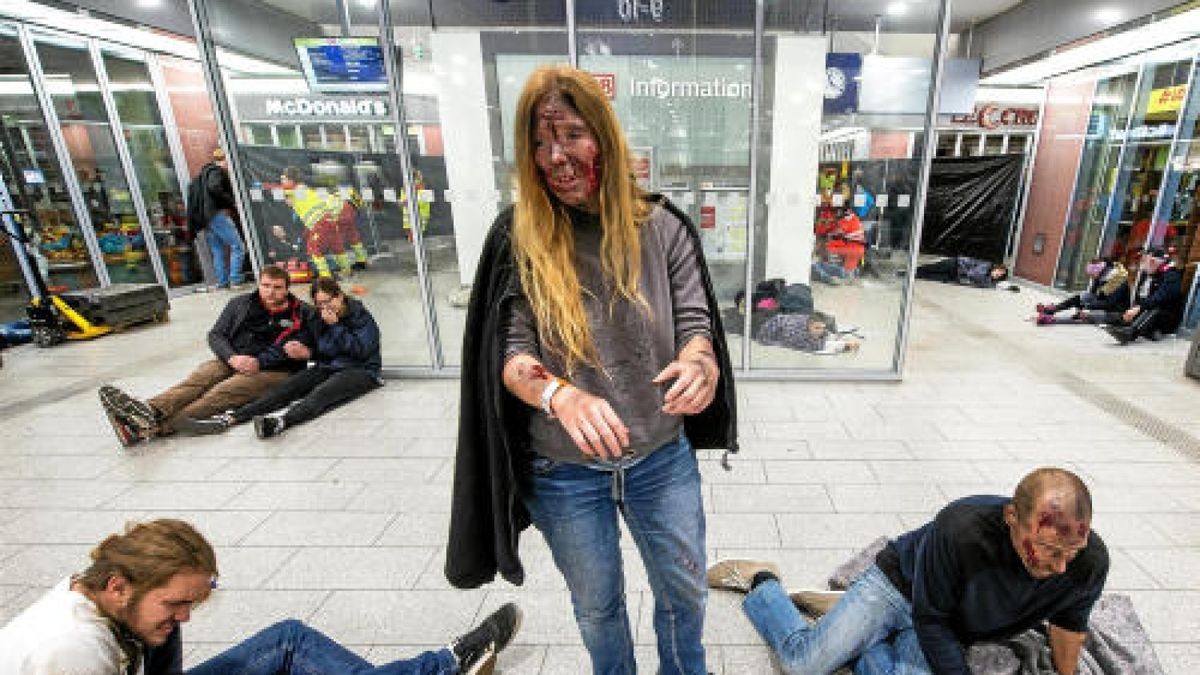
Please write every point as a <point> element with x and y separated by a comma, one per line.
<point>292,648</point>
<point>573,508</point>
<point>223,239</point>
<point>665,514</point>
<point>870,612</point>
<point>576,510</point>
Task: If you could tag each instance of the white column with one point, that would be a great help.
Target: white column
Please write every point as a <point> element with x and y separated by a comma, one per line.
<point>467,139</point>
<point>795,146</point>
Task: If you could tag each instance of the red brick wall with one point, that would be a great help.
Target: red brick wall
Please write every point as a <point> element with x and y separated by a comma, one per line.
<point>1064,122</point>
<point>192,107</point>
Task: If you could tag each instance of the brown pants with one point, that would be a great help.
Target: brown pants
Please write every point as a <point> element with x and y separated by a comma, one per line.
<point>211,388</point>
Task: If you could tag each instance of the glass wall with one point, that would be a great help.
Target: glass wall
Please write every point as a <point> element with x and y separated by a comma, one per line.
<point>59,248</point>
<point>79,106</point>
<point>787,147</point>
<point>146,137</point>
<point>1140,171</point>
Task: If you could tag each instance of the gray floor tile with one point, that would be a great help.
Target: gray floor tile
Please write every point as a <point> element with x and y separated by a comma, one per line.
<point>318,528</point>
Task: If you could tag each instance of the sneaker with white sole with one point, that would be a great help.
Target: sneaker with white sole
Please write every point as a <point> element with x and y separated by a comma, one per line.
<point>737,575</point>
<point>476,650</point>
<point>266,426</point>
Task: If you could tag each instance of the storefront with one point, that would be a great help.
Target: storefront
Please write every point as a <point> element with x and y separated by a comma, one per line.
<point>757,121</point>
<point>103,137</point>
<point>1133,128</point>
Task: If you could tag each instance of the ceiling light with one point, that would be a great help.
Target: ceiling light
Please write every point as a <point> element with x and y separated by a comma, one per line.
<point>1108,15</point>
<point>897,8</point>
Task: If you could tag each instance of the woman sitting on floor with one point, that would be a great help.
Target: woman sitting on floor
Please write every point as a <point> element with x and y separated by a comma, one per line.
<point>347,366</point>
<point>1107,296</point>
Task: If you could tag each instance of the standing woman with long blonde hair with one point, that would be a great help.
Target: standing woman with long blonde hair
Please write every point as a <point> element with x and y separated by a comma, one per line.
<point>593,360</point>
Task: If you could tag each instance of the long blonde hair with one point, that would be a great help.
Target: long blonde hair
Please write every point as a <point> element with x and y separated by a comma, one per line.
<point>148,554</point>
<point>543,239</point>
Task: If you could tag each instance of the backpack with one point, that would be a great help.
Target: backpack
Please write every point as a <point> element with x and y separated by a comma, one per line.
<point>195,201</point>
<point>796,299</point>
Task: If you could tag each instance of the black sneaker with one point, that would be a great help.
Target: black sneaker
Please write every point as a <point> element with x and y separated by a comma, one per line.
<point>266,426</point>
<point>1123,334</point>
<point>204,426</point>
<point>128,434</point>
<point>476,651</point>
<point>132,411</point>
<point>359,265</point>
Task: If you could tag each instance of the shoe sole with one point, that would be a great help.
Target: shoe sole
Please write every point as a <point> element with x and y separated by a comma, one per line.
<point>485,665</point>
<point>259,430</point>
<point>126,437</point>
<point>117,402</point>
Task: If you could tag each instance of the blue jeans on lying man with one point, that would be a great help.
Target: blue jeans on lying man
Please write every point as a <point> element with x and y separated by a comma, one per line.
<point>870,628</point>
<point>292,648</point>
<point>576,508</point>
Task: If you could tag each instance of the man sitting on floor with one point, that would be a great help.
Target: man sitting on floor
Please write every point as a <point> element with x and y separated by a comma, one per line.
<point>985,568</point>
<point>123,615</point>
<point>259,339</point>
<point>347,365</point>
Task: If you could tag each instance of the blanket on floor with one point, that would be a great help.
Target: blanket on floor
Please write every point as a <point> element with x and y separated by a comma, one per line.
<point>1116,642</point>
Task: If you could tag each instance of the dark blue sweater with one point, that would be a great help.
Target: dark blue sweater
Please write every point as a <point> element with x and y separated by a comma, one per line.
<point>352,342</point>
<point>967,583</point>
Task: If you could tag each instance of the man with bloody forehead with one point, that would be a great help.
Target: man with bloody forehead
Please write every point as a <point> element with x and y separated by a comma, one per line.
<point>984,569</point>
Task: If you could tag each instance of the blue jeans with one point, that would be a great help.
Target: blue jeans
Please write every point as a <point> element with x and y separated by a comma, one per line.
<point>292,648</point>
<point>870,627</point>
<point>223,239</point>
<point>830,273</point>
<point>576,509</point>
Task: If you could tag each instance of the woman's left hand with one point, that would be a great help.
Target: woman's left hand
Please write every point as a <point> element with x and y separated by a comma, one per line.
<point>694,388</point>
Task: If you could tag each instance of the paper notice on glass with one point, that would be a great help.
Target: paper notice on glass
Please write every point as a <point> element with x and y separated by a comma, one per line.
<point>425,196</point>
<point>256,194</point>
<point>277,194</point>
<point>322,193</point>
<point>368,194</point>
<point>301,193</point>
<point>838,201</point>
<point>860,200</point>
<point>344,192</point>
<point>881,201</point>
<point>902,201</point>
<point>389,195</point>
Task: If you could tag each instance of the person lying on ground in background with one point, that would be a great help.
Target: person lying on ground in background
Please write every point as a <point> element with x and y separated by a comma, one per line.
<point>1106,297</point>
<point>986,568</point>
<point>968,271</point>
<point>805,332</point>
<point>124,614</point>
<point>347,365</point>
<point>259,339</point>
<point>1158,305</point>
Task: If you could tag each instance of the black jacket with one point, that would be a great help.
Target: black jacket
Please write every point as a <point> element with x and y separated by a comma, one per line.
<point>218,191</point>
<point>487,514</point>
<point>352,342</point>
<point>1164,293</point>
<point>299,323</point>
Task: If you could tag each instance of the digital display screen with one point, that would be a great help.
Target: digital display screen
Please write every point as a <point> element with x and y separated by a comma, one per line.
<point>342,64</point>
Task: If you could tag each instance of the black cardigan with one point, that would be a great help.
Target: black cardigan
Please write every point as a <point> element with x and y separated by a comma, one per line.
<point>487,514</point>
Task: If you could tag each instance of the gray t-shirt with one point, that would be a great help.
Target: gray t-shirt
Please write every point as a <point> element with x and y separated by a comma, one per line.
<point>634,345</point>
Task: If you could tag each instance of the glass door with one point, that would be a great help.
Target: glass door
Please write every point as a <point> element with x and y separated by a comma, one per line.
<point>145,136</point>
<point>79,106</point>
<point>58,247</point>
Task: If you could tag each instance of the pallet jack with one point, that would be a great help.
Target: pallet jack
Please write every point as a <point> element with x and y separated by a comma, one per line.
<point>51,318</point>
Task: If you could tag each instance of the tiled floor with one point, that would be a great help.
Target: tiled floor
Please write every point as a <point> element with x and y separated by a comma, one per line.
<point>342,522</point>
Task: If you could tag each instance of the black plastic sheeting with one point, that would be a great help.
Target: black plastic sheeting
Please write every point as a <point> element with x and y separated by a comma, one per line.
<point>969,205</point>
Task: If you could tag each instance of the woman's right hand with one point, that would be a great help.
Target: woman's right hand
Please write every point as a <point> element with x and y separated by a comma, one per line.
<point>591,423</point>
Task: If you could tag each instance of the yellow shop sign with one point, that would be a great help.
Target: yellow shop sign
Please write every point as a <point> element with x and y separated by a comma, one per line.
<point>1167,99</point>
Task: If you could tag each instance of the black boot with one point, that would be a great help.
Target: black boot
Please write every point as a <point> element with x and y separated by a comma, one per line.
<point>478,648</point>
<point>1123,334</point>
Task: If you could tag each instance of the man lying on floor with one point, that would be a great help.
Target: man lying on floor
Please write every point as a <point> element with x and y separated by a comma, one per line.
<point>123,615</point>
<point>985,568</point>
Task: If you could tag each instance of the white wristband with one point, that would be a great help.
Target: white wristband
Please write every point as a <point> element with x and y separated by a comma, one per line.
<point>548,393</point>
